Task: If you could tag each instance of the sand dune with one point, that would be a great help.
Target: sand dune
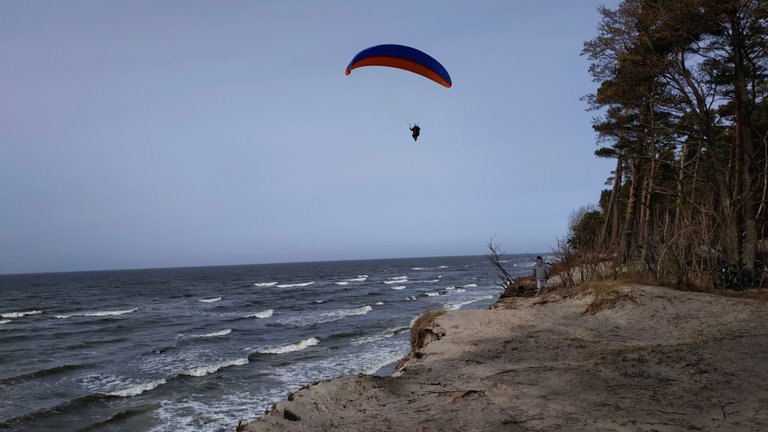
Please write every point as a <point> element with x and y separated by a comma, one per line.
<point>614,358</point>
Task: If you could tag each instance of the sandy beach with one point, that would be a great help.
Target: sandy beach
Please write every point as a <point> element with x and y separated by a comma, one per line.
<point>607,357</point>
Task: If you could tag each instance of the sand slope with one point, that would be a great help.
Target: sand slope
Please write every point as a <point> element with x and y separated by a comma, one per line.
<point>648,359</point>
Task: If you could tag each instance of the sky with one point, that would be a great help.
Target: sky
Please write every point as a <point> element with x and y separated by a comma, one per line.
<point>138,134</point>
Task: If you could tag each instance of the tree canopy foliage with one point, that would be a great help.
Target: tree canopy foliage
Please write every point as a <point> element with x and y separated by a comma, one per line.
<point>682,86</point>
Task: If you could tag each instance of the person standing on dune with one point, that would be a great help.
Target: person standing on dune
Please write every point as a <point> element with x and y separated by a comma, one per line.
<point>541,272</point>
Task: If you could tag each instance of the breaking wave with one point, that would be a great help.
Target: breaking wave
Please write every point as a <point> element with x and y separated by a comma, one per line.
<point>209,369</point>
<point>210,300</point>
<point>296,346</point>
<point>98,314</point>
<point>302,284</point>
<point>206,335</point>
<point>396,280</point>
<point>261,315</point>
<point>137,389</point>
<point>19,314</point>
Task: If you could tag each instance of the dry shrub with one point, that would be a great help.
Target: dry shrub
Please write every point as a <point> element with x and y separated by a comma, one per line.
<point>606,295</point>
<point>421,333</point>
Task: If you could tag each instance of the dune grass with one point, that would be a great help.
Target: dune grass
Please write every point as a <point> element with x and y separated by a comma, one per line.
<point>421,334</point>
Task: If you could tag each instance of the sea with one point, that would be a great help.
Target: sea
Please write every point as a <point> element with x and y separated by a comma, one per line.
<point>202,348</point>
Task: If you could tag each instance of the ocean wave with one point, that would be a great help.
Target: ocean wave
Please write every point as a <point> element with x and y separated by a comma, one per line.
<point>350,312</point>
<point>325,317</point>
<point>360,278</point>
<point>207,335</point>
<point>210,300</point>
<point>396,280</point>
<point>261,315</point>
<point>295,285</point>
<point>42,373</point>
<point>136,389</point>
<point>296,346</point>
<point>19,314</point>
<point>386,334</point>
<point>431,294</point>
<point>265,284</point>
<point>209,369</point>
<point>98,313</point>
<point>342,283</point>
<point>5,321</point>
<point>399,287</point>
<point>452,290</point>
<point>470,285</point>
<point>464,303</point>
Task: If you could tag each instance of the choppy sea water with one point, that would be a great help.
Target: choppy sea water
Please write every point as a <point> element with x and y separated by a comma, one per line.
<point>191,349</point>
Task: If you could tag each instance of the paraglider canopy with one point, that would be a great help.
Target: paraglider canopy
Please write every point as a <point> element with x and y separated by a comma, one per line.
<point>402,57</point>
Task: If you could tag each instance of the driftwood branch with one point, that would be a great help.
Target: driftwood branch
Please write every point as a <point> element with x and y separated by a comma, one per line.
<point>496,258</point>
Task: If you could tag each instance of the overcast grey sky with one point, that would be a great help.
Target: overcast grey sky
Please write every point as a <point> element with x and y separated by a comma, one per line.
<point>177,133</point>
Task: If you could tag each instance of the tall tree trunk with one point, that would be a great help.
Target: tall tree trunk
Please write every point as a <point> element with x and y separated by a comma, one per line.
<point>612,209</point>
<point>628,234</point>
<point>743,142</point>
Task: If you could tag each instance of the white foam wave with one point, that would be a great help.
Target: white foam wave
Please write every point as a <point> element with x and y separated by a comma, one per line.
<point>338,314</point>
<point>386,334</point>
<point>351,312</point>
<point>417,268</point>
<point>432,294</point>
<point>303,284</point>
<point>263,314</point>
<point>396,280</point>
<point>470,286</point>
<point>342,283</point>
<point>214,334</point>
<point>325,317</point>
<point>4,321</point>
<point>265,284</point>
<point>462,304</point>
<point>209,369</point>
<point>98,314</point>
<point>399,287</point>
<point>137,389</point>
<point>361,278</point>
<point>319,301</point>
<point>296,346</point>
<point>379,303</point>
<point>411,298</point>
<point>210,300</point>
<point>19,314</point>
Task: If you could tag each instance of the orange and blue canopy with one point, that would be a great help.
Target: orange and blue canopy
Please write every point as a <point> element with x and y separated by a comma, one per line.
<point>402,57</point>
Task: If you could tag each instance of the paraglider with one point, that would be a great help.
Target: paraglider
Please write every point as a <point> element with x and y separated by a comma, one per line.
<point>402,57</point>
<point>405,58</point>
<point>416,130</point>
